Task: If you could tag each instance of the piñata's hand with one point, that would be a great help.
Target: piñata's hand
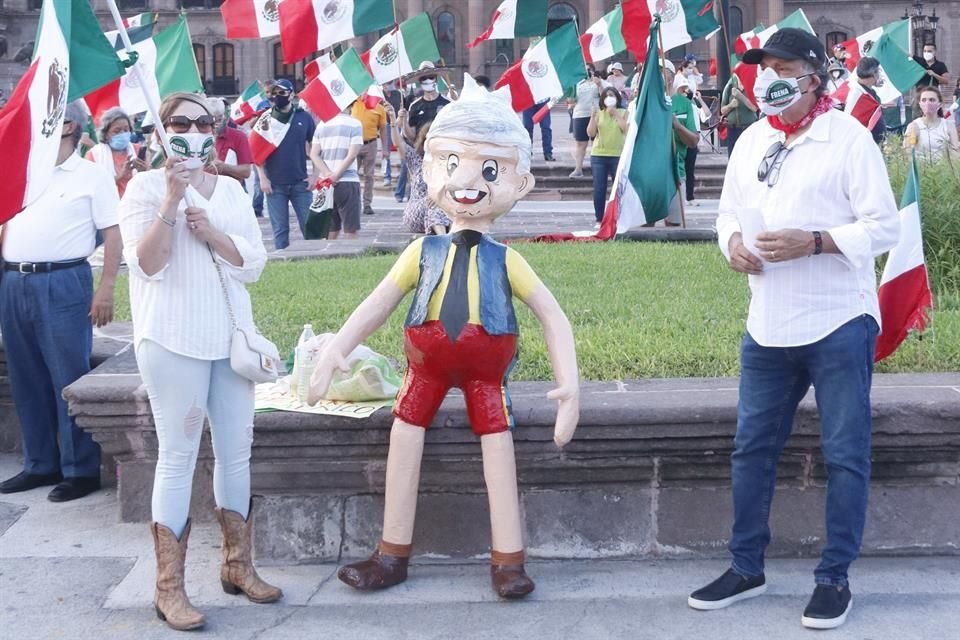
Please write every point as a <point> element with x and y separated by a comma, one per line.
<point>328,363</point>
<point>568,413</point>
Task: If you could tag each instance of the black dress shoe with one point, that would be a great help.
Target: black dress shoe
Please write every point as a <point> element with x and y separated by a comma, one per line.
<point>24,481</point>
<point>73,488</point>
<point>549,158</point>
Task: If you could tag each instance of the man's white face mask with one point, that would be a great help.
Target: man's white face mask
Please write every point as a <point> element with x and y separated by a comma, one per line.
<point>775,94</point>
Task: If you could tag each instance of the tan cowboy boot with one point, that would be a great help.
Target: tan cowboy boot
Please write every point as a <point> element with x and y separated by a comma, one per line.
<point>508,576</point>
<point>237,573</point>
<point>387,567</point>
<point>170,599</point>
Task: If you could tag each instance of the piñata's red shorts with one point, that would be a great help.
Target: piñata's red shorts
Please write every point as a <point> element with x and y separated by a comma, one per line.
<point>477,363</point>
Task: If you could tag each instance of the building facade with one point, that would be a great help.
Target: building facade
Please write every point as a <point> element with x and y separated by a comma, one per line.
<point>228,66</point>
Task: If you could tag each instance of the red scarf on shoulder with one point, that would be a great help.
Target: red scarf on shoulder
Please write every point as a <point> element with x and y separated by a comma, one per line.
<point>820,107</point>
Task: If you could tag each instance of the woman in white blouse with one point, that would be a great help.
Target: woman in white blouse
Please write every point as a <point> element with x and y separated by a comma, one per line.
<point>182,337</point>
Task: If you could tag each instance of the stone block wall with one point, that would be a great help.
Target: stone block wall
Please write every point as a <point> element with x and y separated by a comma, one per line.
<point>646,475</point>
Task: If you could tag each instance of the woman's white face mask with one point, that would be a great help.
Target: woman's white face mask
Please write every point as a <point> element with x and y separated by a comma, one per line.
<point>775,94</point>
<point>195,147</point>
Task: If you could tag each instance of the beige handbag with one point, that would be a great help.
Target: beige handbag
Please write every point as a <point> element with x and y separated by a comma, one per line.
<point>251,354</point>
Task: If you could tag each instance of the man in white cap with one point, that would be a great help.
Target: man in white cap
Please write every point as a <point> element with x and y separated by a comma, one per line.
<point>424,109</point>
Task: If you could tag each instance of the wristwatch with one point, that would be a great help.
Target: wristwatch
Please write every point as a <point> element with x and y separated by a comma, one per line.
<point>817,243</point>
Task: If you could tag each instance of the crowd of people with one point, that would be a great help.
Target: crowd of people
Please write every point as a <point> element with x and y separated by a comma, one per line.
<point>191,241</point>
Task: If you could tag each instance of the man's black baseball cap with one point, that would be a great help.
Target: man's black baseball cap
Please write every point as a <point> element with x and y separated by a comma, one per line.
<point>790,44</point>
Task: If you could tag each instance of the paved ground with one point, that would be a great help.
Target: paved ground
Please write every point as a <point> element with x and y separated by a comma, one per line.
<point>71,571</point>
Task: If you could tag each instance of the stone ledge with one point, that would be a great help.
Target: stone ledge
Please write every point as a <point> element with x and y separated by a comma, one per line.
<point>647,474</point>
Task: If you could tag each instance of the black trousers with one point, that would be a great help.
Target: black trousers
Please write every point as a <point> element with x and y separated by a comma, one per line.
<point>690,165</point>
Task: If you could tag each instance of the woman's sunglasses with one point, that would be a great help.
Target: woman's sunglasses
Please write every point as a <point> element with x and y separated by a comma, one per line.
<point>181,124</point>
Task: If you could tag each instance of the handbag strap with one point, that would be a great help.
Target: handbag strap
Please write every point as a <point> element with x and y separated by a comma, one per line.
<point>223,287</point>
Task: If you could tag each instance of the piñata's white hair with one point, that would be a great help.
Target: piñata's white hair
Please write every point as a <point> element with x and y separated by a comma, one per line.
<point>479,115</point>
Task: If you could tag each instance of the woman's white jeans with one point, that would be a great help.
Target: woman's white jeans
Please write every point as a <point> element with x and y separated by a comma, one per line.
<point>183,391</point>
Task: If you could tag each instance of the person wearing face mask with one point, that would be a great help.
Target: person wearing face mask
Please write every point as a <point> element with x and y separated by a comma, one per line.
<point>283,173</point>
<point>45,270</point>
<point>806,207</point>
<point>425,108</point>
<point>233,158</point>
<point>936,71</point>
<point>608,129</point>
<point>184,262</point>
<point>932,135</point>
<point>115,151</point>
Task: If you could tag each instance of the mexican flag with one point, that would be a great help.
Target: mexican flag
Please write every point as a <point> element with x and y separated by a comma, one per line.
<point>251,18</point>
<point>604,38</point>
<point>313,68</point>
<point>265,136</point>
<point>748,72</point>
<point>168,65</point>
<point>515,19</point>
<point>337,86</point>
<point>645,183</point>
<point>139,28</point>
<point>71,57</point>
<point>307,26</point>
<point>898,71</point>
<point>862,45</point>
<point>547,69</point>
<point>402,50</point>
<point>904,291</point>
<point>250,103</point>
<point>681,21</point>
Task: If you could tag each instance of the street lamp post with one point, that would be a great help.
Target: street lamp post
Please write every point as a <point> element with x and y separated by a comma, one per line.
<point>924,27</point>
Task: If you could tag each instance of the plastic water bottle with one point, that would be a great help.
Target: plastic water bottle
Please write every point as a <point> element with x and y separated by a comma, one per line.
<point>305,335</point>
<point>304,361</point>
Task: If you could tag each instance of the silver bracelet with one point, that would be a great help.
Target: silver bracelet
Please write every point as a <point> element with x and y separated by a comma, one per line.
<point>169,223</point>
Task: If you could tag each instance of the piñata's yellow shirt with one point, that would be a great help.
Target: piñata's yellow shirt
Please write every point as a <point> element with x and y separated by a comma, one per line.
<point>406,272</point>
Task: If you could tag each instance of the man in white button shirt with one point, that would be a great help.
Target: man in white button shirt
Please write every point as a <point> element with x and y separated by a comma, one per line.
<point>806,207</point>
<point>47,305</point>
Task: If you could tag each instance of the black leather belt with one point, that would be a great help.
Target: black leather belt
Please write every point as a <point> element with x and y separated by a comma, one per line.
<point>370,140</point>
<point>41,267</point>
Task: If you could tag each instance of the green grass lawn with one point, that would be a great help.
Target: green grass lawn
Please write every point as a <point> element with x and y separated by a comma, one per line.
<point>638,309</point>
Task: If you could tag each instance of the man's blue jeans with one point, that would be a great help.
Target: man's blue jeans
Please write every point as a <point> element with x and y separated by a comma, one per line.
<point>773,380</point>
<point>546,130</point>
<point>257,193</point>
<point>47,335</point>
<point>278,205</point>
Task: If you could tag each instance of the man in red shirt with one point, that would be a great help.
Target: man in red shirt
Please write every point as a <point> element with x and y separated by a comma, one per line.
<point>233,151</point>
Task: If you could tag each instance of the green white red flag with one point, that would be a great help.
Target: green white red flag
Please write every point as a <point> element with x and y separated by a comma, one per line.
<point>645,183</point>
<point>251,103</point>
<point>904,293</point>
<point>265,136</point>
<point>71,56</point>
<point>337,86</point>
<point>515,19</point>
<point>307,26</point>
<point>604,38</point>
<point>251,18</point>
<point>168,65</point>
<point>547,69</point>
<point>402,49</point>
<point>862,45</point>
<point>681,21</point>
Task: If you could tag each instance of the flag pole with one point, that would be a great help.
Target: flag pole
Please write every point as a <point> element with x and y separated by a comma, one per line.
<point>673,138</point>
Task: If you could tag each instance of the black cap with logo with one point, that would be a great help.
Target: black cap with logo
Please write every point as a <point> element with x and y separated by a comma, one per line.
<point>790,44</point>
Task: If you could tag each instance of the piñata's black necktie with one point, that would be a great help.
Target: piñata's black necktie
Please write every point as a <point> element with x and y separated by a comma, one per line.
<point>455,308</point>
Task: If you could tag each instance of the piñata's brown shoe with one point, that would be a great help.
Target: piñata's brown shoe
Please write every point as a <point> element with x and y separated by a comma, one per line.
<point>510,581</point>
<point>380,571</point>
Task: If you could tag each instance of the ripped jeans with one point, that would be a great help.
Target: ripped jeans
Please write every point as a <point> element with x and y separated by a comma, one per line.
<point>183,391</point>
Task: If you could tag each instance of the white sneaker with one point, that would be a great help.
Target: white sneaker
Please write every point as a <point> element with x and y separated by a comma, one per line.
<point>386,183</point>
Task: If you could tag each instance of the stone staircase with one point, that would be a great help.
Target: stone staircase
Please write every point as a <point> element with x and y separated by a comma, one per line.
<point>554,181</point>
